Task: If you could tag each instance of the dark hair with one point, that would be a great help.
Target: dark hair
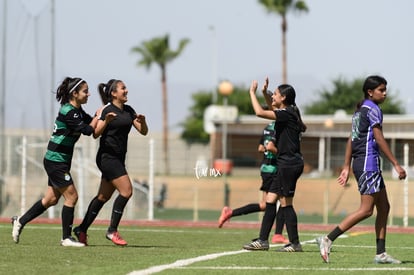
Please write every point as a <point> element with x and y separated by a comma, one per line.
<point>106,89</point>
<point>289,93</point>
<point>67,87</point>
<point>371,83</point>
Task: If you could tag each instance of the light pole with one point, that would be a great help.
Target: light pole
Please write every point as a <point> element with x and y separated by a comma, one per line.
<point>328,127</point>
<point>225,88</point>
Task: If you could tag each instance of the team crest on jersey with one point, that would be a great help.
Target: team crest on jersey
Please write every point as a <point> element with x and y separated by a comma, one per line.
<point>67,177</point>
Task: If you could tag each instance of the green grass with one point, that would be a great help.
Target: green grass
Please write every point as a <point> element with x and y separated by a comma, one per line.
<point>39,252</point>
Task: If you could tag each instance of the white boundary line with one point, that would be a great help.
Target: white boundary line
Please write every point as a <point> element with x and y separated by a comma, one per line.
<point>185,262</point>
<point>182,264</point>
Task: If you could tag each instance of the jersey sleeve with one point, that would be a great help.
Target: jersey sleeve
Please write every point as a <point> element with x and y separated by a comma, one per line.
<point>281,115</point>
<point>130,110</point>
<point>105,110</point>
<point>76,121</point>
<point>375,117</point>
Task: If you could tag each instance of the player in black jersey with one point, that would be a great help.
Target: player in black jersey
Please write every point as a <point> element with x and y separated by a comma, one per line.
<point>268,170</point>
<point>71,122</point>
<point>289,161</point>
<point>111,158</point>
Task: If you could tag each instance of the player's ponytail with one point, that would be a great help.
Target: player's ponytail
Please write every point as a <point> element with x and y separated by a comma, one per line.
<point>105,90</point>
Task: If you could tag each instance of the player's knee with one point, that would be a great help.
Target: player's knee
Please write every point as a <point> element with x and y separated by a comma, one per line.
<point>262,206</point>
<point>368,213</point>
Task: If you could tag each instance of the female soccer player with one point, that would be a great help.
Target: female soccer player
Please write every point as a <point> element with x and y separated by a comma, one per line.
<point>71,122</point>
<point>363,148</point>
<point>111,158</point>
<point>289,161</point>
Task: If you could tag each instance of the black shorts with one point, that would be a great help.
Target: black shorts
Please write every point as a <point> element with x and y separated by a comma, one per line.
<point>267,179</point>
<point>58,173</point>
<point>284,183</point>
<point>111,166</point>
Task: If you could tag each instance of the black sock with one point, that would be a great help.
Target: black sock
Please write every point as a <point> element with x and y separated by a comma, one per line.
<point>335,233</point>
<point>291,220</point>
<point>380,246</point>
<point>93,210</point>
<point>36,210</point>
<point>280,221</point>
<point>67,221</point>
<point>247,209</point>
<point>267,221</point>
<point>117,211</point>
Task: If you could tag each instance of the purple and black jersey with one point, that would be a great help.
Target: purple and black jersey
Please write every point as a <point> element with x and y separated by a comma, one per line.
<point>365,151</point>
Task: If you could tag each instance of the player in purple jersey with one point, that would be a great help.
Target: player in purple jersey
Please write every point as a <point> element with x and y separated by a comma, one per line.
<point>363,148</point>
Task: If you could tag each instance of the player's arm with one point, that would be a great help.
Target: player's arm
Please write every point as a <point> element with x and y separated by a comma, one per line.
<point>344,175</point>
<point>266,95</point>
<point>259,111</point>
<point>103,120</point>
<point>78,122</point>
<point>271,147</point>
<point>382,144</point>
<point>261,148</point>
<point>140,124</point>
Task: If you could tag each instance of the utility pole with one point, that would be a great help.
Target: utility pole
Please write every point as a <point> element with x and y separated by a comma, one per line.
<point>3,90</point>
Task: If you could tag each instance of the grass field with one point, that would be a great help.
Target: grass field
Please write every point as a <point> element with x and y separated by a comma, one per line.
<point>186,250</point>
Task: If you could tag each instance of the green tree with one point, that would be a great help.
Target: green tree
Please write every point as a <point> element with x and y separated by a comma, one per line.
<point>194,124</point>
<point>157,50</point>
<point>345,95</point>
<point>282,8</point>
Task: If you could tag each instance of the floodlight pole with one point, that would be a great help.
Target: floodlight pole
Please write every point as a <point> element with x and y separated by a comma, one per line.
<point>225,89</point>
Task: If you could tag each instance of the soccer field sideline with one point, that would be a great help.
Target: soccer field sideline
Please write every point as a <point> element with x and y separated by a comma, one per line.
<point>213,224</point>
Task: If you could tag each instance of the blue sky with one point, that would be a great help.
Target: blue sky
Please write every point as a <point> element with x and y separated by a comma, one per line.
<point>230,39</point>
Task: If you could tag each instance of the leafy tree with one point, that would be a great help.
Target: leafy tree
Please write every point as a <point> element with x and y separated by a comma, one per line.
<point>281,8</point>
<point>194,124</point>
<point>157,50</point>
<point>345,95</point>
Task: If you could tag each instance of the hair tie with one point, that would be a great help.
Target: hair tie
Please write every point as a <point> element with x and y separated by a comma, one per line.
<point>76,85</point>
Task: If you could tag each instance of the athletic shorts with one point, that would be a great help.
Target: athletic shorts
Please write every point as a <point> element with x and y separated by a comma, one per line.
<point>58,173</point>
<point>284,182</point>
<point>369,182</point>
<point>267,179</point>
<point>111,166</point>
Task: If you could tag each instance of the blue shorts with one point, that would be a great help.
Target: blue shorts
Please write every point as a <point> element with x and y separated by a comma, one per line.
<point>369,182</point>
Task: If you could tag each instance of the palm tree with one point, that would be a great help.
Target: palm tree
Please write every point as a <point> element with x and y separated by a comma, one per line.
<point>282,7</point>
<point>157,50</point>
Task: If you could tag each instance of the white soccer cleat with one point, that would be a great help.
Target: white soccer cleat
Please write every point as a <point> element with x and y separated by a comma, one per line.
<point>71,242</point>
<point>17,228</point>
<point>384,258</point>
<point>325,245</point>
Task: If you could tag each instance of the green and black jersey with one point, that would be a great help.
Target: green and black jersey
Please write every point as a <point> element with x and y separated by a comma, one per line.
<point>70,123</point>
<point>269,159</point>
